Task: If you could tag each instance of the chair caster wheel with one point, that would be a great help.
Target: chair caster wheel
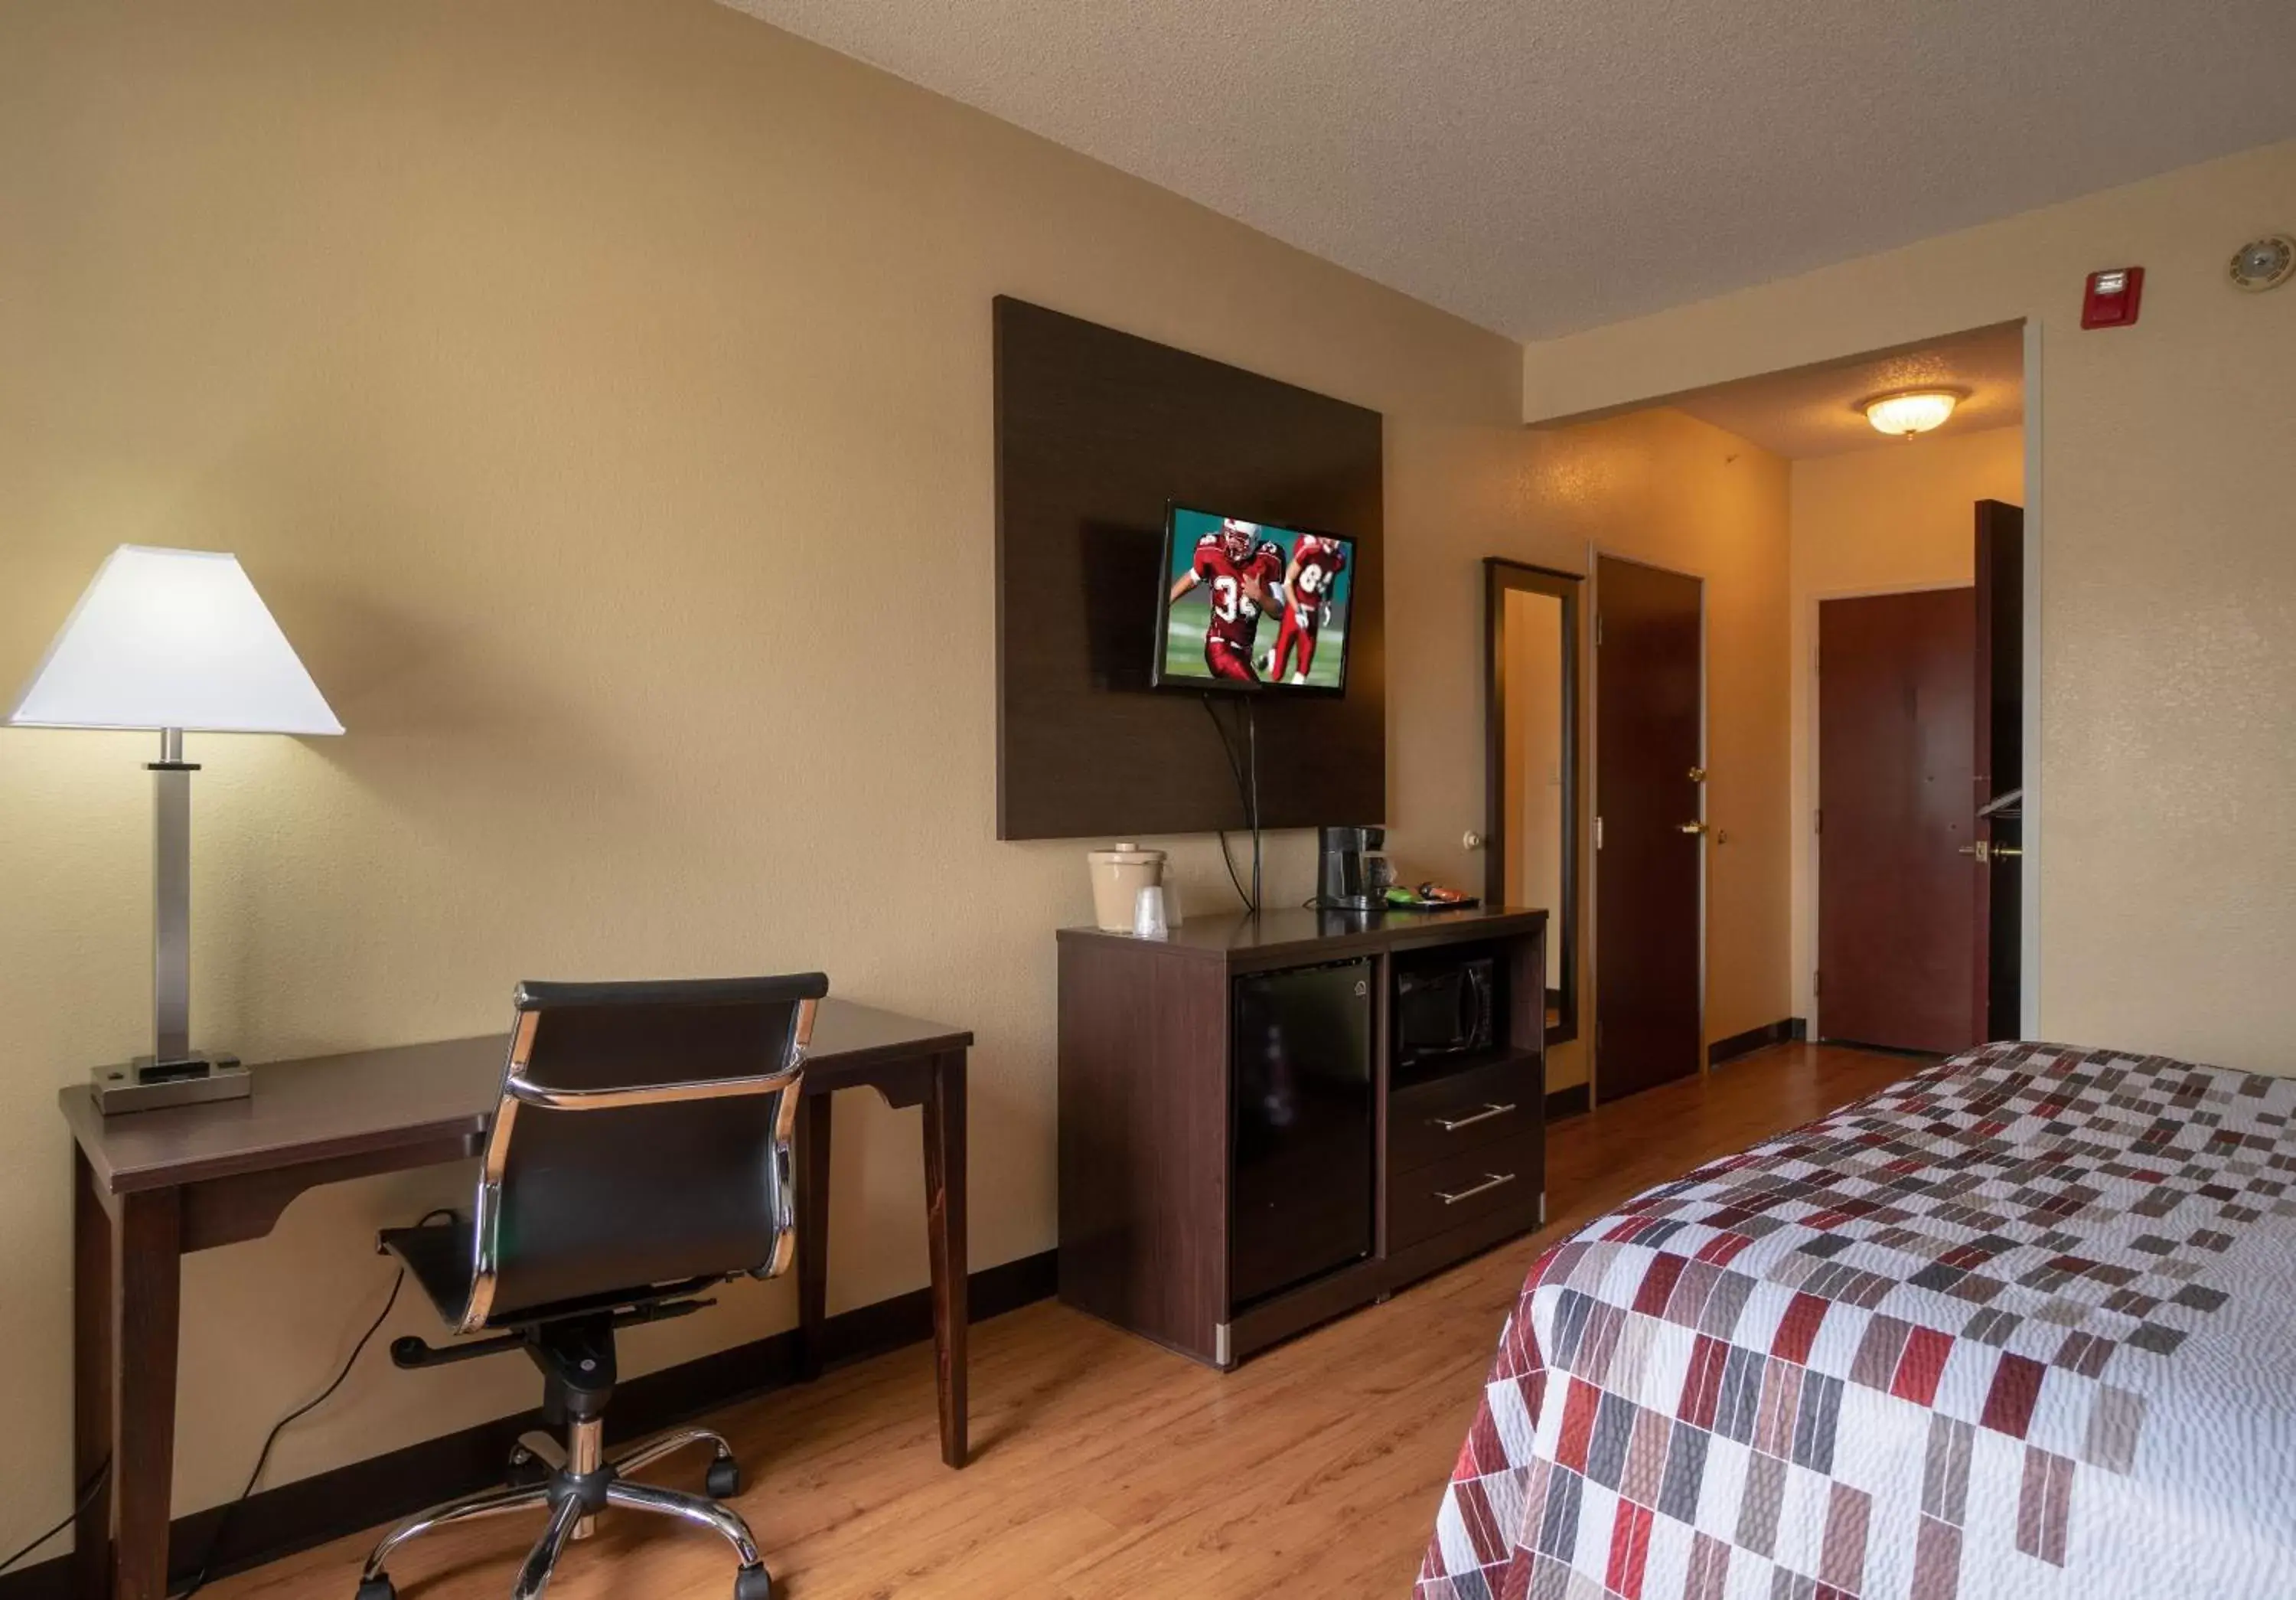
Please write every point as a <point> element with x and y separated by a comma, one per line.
<point>379,1588</point>
<point>724,1481</point>
<point>753,1583</point>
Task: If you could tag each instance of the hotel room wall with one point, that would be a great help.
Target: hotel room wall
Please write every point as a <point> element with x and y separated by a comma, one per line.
<point>1658,486</point>
<point>599,394</point>
<point>1896,516</point>
<point>2159,489</point>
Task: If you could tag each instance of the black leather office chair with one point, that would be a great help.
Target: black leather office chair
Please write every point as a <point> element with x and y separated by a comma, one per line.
<point>640,1153</point>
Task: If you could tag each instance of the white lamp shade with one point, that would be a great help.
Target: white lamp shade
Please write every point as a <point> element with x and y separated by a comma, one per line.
<point>173,638</point>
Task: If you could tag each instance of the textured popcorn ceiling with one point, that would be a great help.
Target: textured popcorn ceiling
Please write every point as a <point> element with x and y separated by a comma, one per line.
<point>1815,410</point>
<point>1543,166</point>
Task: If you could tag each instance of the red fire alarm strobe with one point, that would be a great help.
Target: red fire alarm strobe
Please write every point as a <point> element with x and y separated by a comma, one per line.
<point>2111,298</point>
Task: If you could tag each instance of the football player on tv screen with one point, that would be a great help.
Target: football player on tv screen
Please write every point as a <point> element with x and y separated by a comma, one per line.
<point>1240,570</point>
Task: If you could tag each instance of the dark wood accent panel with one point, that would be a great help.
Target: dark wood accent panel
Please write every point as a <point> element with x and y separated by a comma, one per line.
<point>360,1494</point>
<point>1782,1031</point>
<point>1095,431</point>
<point>1649,695</point>
<point>1431,1122</point>
<point>1462,1186</point>
<point>1896,960</point>
<point>2000,774</point>
<point>1500,578</point>
<point>1144,1140</point>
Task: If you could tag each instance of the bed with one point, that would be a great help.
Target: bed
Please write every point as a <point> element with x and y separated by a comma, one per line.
<point>2019,1327</point>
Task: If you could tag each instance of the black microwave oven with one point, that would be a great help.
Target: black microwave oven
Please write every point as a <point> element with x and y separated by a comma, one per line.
<point>1448,1006</point>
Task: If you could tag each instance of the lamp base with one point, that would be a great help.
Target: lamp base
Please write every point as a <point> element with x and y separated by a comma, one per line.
<point>145,1084</point>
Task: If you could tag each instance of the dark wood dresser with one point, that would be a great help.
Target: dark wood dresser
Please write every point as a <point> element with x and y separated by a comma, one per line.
<point>1170,1207</point>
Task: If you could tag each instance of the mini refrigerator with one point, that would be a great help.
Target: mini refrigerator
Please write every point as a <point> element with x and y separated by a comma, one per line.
<point>1302,1127</point>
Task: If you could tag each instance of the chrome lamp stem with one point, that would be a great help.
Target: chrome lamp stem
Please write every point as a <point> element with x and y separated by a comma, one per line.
<point>171,900</point>
<point>174,1073</point>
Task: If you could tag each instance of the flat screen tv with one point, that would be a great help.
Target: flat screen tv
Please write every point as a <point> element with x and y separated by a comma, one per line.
<point>1251,605</point>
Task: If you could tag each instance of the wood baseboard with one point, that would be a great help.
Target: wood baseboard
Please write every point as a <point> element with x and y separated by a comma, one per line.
<point>1573,1101</point>
<point>1787,1030</point>
<point>311,1510</point>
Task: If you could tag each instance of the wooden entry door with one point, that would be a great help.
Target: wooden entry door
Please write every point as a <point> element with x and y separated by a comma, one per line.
<point>1650,741</point>
<point>1999,781</point>
<point>1897,963</point>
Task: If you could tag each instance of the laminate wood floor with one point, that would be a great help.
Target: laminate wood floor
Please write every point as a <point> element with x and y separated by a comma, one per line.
<point>1105,1466</point>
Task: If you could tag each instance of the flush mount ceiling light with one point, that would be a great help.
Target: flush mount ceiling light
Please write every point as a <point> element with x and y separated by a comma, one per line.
<point>1910,411</point>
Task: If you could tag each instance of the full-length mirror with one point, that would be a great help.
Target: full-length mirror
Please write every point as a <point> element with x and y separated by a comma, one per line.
<point>1531,641</point>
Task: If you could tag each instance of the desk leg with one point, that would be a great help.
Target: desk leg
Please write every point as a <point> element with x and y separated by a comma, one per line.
<point>944,1237</point>
<point>144,1449</point>
<point>812,1231</point>
<point>93,1362</point>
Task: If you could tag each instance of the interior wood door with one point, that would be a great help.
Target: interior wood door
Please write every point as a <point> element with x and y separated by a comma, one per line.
<point>1650,740</point>
<point>1898,964</point>
<point>1999,780</point>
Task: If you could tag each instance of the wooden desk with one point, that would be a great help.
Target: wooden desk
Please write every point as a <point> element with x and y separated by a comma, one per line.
<point>150,1187</point>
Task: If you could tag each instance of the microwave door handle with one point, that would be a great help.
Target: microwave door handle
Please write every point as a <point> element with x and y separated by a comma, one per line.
<point>1470,1006</point>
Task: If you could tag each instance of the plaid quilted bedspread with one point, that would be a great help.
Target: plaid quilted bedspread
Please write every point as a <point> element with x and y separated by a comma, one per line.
<point>2020,1328</point>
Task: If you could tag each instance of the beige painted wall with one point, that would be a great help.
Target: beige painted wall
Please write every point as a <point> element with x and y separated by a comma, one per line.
<point>2161,497</point>
<point>599,394</point>
<point>1657,485</point>
<point>1897,516</point>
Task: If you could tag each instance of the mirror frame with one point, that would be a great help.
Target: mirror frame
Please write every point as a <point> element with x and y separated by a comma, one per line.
<point>1501,578</point>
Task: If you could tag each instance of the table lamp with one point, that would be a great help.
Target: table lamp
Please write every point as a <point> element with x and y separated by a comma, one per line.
<point>172,640</point>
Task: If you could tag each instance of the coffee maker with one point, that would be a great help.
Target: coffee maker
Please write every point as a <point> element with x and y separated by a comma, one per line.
<point>1355,873</point>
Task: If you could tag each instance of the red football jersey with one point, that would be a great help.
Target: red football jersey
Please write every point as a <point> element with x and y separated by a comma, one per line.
<point>1321,561</point>
<point>1235,615</point>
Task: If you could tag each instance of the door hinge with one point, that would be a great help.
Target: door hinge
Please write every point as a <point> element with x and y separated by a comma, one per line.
<point>1598,832</point>
<point>1818,821</point>
<point>1598,629</point>
<point>1816,984</point>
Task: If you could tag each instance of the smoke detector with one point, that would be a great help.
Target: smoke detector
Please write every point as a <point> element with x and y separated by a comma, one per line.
<point>2265,263</point>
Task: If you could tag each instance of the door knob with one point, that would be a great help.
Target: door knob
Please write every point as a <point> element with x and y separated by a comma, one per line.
<point>1698,775</point>
<point>1693,827</point>
<point>1985,851</point>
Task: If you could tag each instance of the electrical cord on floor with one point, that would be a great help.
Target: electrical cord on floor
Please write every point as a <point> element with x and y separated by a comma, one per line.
<point>263,1457</point>
<point>95,1483</point>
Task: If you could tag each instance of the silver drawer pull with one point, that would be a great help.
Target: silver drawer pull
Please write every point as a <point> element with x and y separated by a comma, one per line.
<point>1491,1180</point>
<point>1454,1124</point>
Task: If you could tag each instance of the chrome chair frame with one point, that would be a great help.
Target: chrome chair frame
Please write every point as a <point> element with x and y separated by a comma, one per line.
<point>580,1479</point>
<point>518,1091</point>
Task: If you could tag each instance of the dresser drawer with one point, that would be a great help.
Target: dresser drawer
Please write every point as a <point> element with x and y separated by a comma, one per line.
<point>1431,1122</point>
<point>1503,1176</point>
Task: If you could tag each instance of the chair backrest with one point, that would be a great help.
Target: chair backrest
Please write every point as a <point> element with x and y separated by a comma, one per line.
<point>642,1143</point>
